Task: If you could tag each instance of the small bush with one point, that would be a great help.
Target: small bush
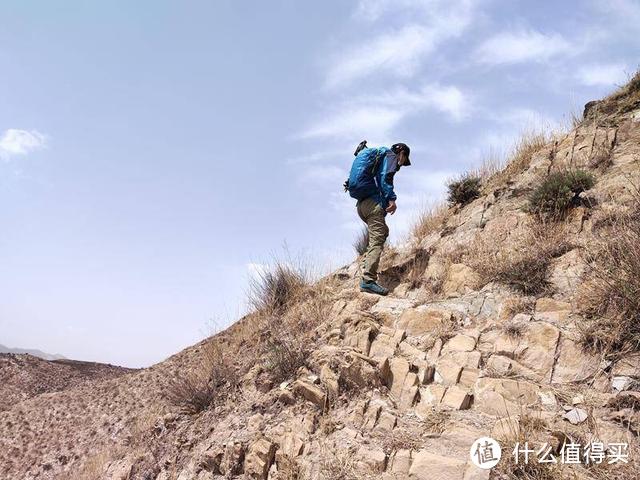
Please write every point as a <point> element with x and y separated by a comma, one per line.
<point>361,243</point>
<point>273,290</point>
<point>284,354</point>
<point>213,378</point>
<point>524,265</point>
<point>559,192</point>
<point>464,190</point>
<point>610,295</point>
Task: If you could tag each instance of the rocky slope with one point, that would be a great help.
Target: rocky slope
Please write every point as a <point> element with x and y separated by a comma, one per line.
<point>483,335</point>
<point>25,376</point>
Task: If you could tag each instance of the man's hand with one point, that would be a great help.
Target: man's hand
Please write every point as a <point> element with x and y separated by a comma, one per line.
<point>391,208</point>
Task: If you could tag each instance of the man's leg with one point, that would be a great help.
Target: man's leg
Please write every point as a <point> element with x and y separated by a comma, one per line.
<point>373,214</point>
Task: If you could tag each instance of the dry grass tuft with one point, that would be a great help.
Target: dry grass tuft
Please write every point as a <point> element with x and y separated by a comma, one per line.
<point>522,261</point>
<point>212,379</point>
<point>340,464</point>
<point>361,243</point>
<point>431,219</point>
<point>287,339</point>
<point>530,142</point>
<point>272,290</point>
<point>513,329</point>
<point>610,295</point>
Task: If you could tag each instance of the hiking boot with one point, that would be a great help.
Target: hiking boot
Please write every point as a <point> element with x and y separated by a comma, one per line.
<point>372,287</point>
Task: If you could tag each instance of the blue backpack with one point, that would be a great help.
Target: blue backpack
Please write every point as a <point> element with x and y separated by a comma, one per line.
<point>361,183</point>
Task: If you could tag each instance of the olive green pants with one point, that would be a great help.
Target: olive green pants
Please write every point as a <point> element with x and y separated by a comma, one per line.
<point>373,215</point>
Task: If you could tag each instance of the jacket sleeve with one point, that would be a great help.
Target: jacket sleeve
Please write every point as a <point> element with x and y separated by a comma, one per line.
<point>389,168</point>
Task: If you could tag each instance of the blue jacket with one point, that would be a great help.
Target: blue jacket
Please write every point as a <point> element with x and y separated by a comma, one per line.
<point>372,175</point>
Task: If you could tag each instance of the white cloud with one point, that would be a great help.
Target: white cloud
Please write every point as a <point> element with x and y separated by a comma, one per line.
<point>396,53</point>
<point>521,46</point>
<point>603,74</point>
<point>16,142</point>
<point>376,116</point>
<point>399,53</point>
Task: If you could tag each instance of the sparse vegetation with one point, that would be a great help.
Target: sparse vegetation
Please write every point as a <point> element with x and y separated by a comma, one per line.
<point>463,190</point>
<point>429,221</point>
<point>340,463</point>
<point>213,378</point>
<point>610,295</point>
<point>361,243</point>
<point>522,263</point>
<point>272,290</point>
<point>559,192</point>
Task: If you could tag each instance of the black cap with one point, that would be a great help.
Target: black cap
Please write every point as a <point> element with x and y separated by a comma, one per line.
<point>401,147</point>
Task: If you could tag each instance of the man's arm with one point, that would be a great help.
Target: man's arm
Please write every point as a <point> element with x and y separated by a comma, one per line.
<point>388,170</point>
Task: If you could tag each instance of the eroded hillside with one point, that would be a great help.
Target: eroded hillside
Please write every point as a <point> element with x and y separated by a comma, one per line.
<point>510,317</point>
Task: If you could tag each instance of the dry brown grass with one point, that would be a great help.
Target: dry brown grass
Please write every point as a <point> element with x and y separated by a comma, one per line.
<point>530,142</point>
<point>340,464</point>
<point>275,287</point>
<point>361,242</point>
<point>531,430</point>
<point>430,220</point>
<point>287,339</point>
<point>516,304</point>
<point>522,261</point>
<point>213,378</point>
<point>610,294</point>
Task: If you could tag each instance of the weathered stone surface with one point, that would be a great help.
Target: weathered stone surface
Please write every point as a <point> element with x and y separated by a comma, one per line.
<point>460,343</point>
<point>629,366</point>
<point>330,380</point>
<point>576,416</point>
<point>460,279</point>
<point>448,370</point>
<point>573,364</point>
<point>456,398</point>
<point>383,346</point>
<point>310,392</point>
<point>233,459</point>
<point>392,306</point>
<point>398,370</point>
<point>504,397</point>
<point>386,421</point>
<point>400,462</point>
<point>567,270</point>
<point>259,458</point>
<point>539,352</point>
<point>372,458</point>
<point>359,338</point>
<point>430,466</point>
<point>292,443</point>
<point>468,377</point>
<point>421,320</point>
<point>550,310</point>
<point>431,395</point>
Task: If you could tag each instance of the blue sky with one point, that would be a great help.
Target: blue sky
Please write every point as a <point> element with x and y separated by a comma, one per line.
<point>153,153</point>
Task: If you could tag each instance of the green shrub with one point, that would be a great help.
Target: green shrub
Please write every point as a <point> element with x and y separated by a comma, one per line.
<point>559,192</point>
<point>464,190</point>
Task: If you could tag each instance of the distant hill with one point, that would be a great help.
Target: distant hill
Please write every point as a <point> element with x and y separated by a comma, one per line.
<point>34,352</point>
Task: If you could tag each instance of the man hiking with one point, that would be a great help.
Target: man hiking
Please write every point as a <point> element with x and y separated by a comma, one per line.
<point>371,183</point>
